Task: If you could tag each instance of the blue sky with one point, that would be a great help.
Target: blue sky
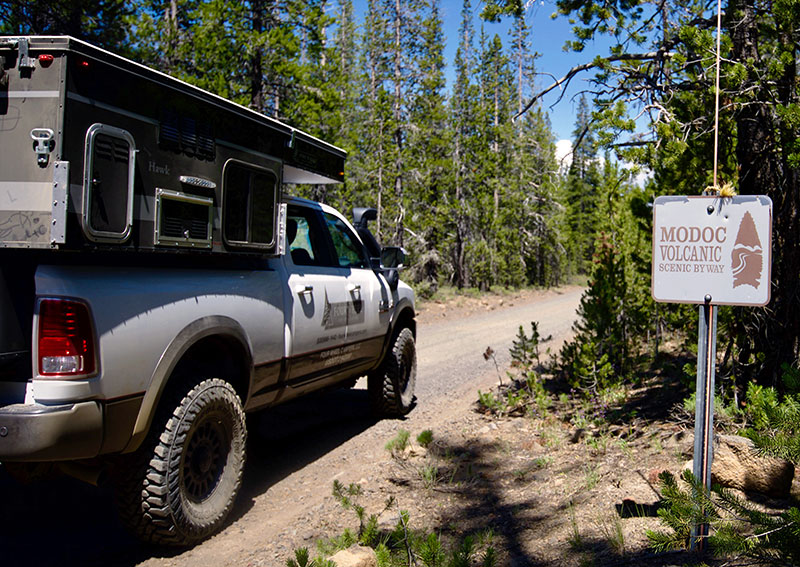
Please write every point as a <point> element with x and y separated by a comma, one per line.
<point>547,38</point>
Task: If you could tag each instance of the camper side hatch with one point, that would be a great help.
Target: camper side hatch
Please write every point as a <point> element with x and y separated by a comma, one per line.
<point>108,174</point>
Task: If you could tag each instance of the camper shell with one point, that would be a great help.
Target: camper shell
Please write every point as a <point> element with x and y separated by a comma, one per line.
<point>99,152</point>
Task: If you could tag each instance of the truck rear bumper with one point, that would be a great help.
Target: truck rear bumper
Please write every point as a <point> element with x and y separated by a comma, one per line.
<point>35,432</point>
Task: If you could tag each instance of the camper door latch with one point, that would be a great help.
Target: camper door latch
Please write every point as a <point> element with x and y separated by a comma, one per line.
<point>42,144</point>
<point>26,62</point>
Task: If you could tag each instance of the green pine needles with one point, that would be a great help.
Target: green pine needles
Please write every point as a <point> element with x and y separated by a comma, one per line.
<point>775,425</point>
<point>737,526</point>
<point>302,558</point>
<point>524,349</point>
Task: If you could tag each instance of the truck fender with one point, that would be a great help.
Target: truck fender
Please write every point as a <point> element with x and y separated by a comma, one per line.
<point>203,328</point>
<point>402,316</point>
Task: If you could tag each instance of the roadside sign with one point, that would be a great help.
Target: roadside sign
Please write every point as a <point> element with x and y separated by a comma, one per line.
<point>712,250</point>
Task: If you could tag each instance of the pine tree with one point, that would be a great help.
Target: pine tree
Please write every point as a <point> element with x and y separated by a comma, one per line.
<point>336,82</point>
<point>580,191</point>
<point>669,74</point>
<point>617,307</point>
<point>100,22</point>
<point>532,210</point>
<point>738,528</point>
<point>161,34</point>
<point>494,131</point>
<point>429,144</point>
<point>541,214</point>
<point>463,119</point>
<point>367,164</point>
<point>399,18</point>
<point>343,75</point>
<point>312,95</point>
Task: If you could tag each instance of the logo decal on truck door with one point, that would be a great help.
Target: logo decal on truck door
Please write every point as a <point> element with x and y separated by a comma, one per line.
<point>340,314</point>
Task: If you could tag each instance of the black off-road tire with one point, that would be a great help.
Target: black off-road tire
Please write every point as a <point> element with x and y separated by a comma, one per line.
<point>180,486</point>
<point>391,386</point>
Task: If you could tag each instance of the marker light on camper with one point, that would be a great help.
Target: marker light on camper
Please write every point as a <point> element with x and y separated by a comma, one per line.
<point>66,339</point>
<point>45,59</point>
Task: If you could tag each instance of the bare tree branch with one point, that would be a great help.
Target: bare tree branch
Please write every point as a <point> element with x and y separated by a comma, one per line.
<point>651,56</point>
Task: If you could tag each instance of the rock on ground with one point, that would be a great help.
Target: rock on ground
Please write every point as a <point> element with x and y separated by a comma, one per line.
<point>355,556</point>
<point>738,464</point>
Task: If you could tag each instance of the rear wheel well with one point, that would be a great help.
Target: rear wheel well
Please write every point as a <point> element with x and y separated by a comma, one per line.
<point>217,356</point>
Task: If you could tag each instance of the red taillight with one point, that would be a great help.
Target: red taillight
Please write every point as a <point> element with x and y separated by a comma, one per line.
<point>66,339</point>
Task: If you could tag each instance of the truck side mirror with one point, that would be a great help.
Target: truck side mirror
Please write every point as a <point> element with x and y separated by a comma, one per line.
<point>393,257</point>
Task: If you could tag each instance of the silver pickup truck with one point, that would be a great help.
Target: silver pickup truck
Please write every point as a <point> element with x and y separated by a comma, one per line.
<point>157,282</point>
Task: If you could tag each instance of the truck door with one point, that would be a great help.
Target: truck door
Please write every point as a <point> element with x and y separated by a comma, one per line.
<point>368,316</point>
<point>319,301</point>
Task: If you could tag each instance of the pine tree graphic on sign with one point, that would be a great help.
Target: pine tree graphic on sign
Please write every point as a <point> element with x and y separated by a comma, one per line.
<point>747,256</point>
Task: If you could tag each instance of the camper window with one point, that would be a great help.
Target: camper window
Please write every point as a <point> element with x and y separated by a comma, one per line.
<point>108,184</point>
<point>248,205</point>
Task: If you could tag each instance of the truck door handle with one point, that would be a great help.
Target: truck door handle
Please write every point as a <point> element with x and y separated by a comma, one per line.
<point>303,289</point>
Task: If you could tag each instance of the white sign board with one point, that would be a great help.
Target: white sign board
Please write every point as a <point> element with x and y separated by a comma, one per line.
<point>712,246</point>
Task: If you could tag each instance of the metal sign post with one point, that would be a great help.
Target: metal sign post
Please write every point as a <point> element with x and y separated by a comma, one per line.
<point>704,407</point>
<point>710,251</point>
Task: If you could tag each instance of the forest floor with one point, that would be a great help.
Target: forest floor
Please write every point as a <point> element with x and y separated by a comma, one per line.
<point>571,484</point>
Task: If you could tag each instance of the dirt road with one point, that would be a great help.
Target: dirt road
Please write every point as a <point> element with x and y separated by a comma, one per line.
<point>295,452</point>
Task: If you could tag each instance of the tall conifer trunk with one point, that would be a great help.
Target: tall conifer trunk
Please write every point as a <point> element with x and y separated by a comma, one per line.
<point>763,169</point>
<point>398,125</point>
<point>459,253</point>
<point>173,39</point>
<point>376,122</point>
<point>257,58</point>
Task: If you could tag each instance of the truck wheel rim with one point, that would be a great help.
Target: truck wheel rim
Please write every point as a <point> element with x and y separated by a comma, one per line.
<point>206,454</point>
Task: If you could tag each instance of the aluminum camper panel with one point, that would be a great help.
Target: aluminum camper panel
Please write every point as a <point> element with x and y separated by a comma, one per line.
<point>182,143</point>
<point>31,104</point>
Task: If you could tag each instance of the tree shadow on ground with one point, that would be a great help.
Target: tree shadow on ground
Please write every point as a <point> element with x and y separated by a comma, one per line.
<point>466,474</point>
<point>475,492</point>
<point>653,394</point>
<point>661,390</point>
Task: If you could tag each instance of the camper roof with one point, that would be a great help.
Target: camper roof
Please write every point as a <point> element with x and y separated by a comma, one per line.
<point>306,159</point>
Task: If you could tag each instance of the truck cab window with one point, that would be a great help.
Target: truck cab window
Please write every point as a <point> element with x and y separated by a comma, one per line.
<point>303,238</point>
<point>248,206</point>
<point>350,252</point>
